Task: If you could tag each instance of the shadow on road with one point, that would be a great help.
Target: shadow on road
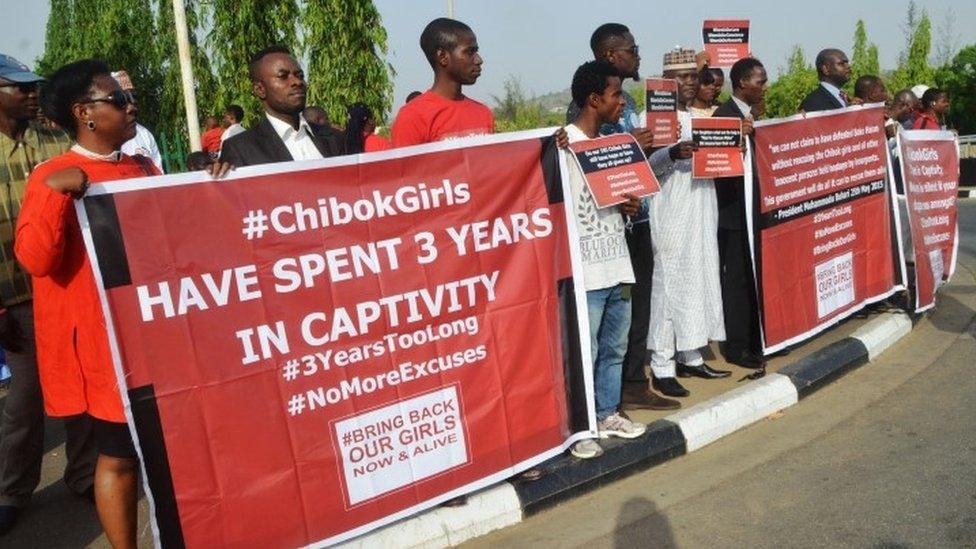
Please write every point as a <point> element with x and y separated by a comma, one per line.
<point>950,310</point>
<point>55,518</point>
<point>640,524</point>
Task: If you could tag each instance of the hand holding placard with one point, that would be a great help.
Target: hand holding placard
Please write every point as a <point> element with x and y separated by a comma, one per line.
<point>615,169</point>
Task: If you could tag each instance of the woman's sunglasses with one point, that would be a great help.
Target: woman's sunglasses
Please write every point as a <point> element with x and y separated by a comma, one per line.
<point>120,99</point>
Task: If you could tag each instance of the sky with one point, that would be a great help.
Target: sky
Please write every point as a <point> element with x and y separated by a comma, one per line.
<point>541,42</point>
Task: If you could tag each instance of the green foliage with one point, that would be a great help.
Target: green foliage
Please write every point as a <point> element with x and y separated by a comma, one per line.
<point>240,28</point>
<point>864,57</point>
<point>785,94</point>
<point>172,109</point>
<point>516,112</point>
<point>344,41</point>
<point>914,67</point>
<point>959,79</point>
<point>114,31</point>
<point>639,92</point>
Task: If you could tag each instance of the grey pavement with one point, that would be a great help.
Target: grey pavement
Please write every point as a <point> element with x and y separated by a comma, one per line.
<point>883,458</point>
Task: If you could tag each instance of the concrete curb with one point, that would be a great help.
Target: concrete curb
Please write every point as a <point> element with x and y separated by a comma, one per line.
<point>967,193</point>
<point>676,435</point>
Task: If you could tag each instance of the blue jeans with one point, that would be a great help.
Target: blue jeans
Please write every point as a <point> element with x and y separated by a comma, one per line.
<point>609,311</point>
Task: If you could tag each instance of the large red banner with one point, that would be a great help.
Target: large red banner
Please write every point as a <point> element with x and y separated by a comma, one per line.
<point>930,170</point>
<point>310,350</point>
<point>824,220</point>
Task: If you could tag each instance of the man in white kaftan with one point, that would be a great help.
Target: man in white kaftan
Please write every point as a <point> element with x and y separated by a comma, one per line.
<point>686,294</point>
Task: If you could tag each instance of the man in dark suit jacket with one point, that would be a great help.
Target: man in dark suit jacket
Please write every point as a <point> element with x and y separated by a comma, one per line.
<point>833,70</point>
<point>283,134</point>
<point>743,345</point>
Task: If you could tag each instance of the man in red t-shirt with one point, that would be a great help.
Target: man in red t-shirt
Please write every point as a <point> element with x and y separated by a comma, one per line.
<point>443,112</point>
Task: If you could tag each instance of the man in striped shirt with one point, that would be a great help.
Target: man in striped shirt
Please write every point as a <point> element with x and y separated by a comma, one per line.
<point>25,143</point>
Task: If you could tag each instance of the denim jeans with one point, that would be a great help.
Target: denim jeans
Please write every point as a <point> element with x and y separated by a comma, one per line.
<point>609,311</point>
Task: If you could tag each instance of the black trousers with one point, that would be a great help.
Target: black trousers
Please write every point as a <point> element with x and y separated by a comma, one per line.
<point>22,428</point>
<point>642,260</point>
<point>739,302</point>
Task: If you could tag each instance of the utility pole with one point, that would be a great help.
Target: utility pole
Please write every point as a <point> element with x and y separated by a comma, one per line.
<point>450,9</point>
<point>186,72</point>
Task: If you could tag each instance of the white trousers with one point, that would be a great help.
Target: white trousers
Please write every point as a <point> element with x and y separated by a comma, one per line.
<point>663,361</point>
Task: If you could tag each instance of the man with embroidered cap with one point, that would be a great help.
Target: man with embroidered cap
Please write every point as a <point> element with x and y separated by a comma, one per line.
<point>686,295</point>
<point>143,143</point>
<point>25,143</point>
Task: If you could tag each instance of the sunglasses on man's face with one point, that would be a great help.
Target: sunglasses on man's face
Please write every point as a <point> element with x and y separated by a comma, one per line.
<point>120,99</point>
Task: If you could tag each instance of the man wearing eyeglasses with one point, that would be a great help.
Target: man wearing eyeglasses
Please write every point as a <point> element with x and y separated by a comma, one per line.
<point>614,43</point>
<point>25,143</point>
<point>143,143</point>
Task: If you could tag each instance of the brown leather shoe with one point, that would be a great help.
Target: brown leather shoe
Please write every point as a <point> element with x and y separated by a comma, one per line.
<point>641,397</point>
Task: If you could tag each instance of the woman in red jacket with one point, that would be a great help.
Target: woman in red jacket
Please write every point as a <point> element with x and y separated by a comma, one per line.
<point>74,361</point>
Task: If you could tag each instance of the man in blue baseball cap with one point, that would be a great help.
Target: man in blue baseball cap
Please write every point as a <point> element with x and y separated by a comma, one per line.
<point>25,143</point>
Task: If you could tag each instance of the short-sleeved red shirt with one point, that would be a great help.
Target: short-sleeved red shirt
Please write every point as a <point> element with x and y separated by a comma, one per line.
<point>374,143</point>
<point>431,117</point>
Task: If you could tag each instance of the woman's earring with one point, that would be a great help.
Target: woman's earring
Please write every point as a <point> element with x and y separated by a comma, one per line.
<point>91,125</point>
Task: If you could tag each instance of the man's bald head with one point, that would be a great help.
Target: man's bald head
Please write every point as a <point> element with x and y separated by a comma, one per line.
<point>833,67</point>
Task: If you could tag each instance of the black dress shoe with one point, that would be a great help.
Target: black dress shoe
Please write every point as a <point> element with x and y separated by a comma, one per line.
<point>670,387</point>
<point>701,370</point>
<point>745,359</point>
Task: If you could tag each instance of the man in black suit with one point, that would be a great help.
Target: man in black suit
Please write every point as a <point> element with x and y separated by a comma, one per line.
<point>833,70</point>
<point>283,134</point>
<point>743,345</point>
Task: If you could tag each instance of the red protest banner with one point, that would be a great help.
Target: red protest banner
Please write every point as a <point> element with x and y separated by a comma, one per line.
<point>661,110</point>
<point>825,237</point>
<point>719,152</point>
<point>310,350</point>
<point>726,41</point>
<point>614,166</point>
<point>930,170</point>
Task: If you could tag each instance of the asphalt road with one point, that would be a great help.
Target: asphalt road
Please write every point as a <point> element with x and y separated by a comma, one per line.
<point>885,458</point>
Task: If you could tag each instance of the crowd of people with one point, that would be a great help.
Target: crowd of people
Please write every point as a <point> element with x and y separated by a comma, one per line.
<point>664,276</point>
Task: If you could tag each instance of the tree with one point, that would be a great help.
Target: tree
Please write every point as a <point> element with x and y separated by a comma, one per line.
<point>239,29</point>
<point>959,79</point>
<point>59,47</point>
<point>344,41</point>
<point>514,111</point>
<point>172,110</point>
<point>908,29</point>
<point>114,31</point>
<point>864,57</point>
<point>916,69</point>
<point>517,112</point>
<point>948,43</point>
<point>785,94</point>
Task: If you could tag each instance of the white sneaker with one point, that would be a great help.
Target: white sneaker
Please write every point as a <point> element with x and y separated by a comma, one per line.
<point>616,425</point>
<point>586,449</point>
